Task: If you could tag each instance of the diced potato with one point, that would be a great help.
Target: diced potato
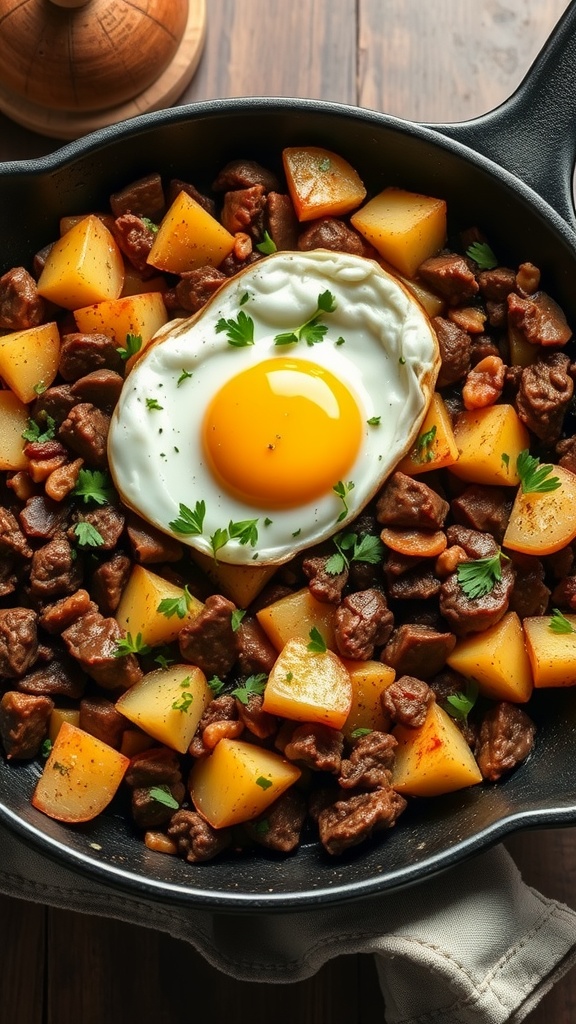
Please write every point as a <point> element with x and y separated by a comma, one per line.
<point>240,583</point>
<point>552,655</point>
<point>543,522</point>
<point>497,660</point>
<point>29,358</point>
<point>294,616</point>
<point>135,284</point>
<point>489,441</point>
<point>134,741</point>
<point>57,717</point>
<point>435,447</point>
<point>404,227</point>
<point>305,686</point>
<point>369,680</point>
<point>80,777</point>
<point>522,352</point>
<point>238,781</point>
<point>321,183</point>
<point>13,421</point>
<point>434,758</point>
<point>138,608</point>
<point>83,266</point>
<point>189,237</point>
<point>168,703</point>
<point>141,315</point>
<point>72,219</point>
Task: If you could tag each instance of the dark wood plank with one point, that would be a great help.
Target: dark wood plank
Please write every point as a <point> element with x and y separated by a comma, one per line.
<point>22,947</point>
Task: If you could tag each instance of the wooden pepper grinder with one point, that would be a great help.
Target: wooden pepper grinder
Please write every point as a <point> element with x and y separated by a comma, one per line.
<point>68,67</point>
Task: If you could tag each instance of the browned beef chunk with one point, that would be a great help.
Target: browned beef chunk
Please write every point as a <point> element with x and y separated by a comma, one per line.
<point>99,717</point>
<point>60,677</point>
<point>55,618</point>
<point>363,622</point>
<point>497,283</point>
<point>147,810</point>
<point>243,174</point>
<point>332,233</point>
<point>100,387</point>
<point>256,653</point>
<point>23,723</point>
<point>108,582</point>
<point>259,722</point>
<point>357,816</point>
<point>93,641</point>
<point>506,738</point>
<point>195,287</point>
<point>221,709</point>
<point>370,763</point>
<point>564,594</point>
<point>20,304</point>
<point>474,614</point>
<point>544,395</point>
<point>454,345</point>
<point>317,746</point>
<point>209,641</point>
<point>476,543</point>
<point>55,571</point>
<point>323,585</point>
<point>135,239</point>
<point>18,641</point>
<point>483,345</point>
<point>451,277</point>
<point>418,650</point>
<point>12,540</point>
<point>85,431</point>
<point>243,210</point>
<point>566,453</point>
<point>55,402</point>
<point>144,197</point>
<point>9,574</point>
<point>107,520</point>
<point>155,767</point>
<point>280,827</point>
<point>539,319</point>
<point>483,508</point>
<point>196,840</point>
<point>82,353</point>
<point>281,221</point>
<point>149,545</point>
<point>176,185</point>
<point>407,700</point>
<point>530,595</point>
<point>418,584</point>
<point>410,504</point>
<point>43,518</point>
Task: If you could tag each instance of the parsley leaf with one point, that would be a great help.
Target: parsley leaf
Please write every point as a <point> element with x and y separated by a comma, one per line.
<point>133,345</point>
<point>34,432</point>
<point>422,451</point>
<point>170,606</point>
<point>88,536</point>
<point>479,576</point>
<point>236,618</point>
<point>317,643</point>
<point>535,479</point>
<point>263,783</point>
<point>218,539</point>
<point>343,490</point>
<point>94,485</point>
<point>267,245</point>
<point>189,522</point>
<point>368,549</point>
<point>252,685</point>
<point>46,747</point>
<point>357,733</point>
<point>131,645</point>
<point>312,331</point>
<point>150,225</point>
<point>374,421</point>
<point>185,700</point>
<point>459,705</point>
<point>153,403</point>
<point>40,388</point>
<point>162,795</point>
<point>216,685</point>
<point>240,332</point>
<point>559,623</point>
<point>244,531</point>
<point>184,375</point>
<point>482,254</point>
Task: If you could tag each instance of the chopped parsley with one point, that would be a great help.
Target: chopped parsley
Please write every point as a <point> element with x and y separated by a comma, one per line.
<point>150,225</point>
<point>170,606</point>
<point>88,536</point>
<point>505,459</point>
<point>263,783</point>
<point>218,539</point>
<point>133,345</point>
<point>422,451</point>
<point>312,331</point>
<point>236,618</point>
<point>267,245</point>
<point>239,332</point>
<point>93,485</point>
<point>374,421</point>
<point>40,388</point>
<point>459,705</point>
<point>162,795</point>
<point>482,254</point>
<point>34,432</point>
<point>343,490</point>
<point>479,576</point>
<point>361,731</point>
<point>216,685</point>
<point>189,522</point>
<point>164,659</point>
<point>184,375</point>
<point>349,548</point>
<point>185,700</point>
<point>63,769</point>
<point>131,645</point>
<point>153,403</point>
<point>46,747</point>
<point>245,531</point>
<point>252,685</point>
<point>535,478</point>
<point>317,643</point>
<point>559,623</point>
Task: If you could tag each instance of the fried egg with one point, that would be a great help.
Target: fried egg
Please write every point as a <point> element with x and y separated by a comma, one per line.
<point>265,423</point>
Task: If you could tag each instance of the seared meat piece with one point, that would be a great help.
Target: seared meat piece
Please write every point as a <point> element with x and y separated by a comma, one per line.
<point>281,221</point>
<point>108,582</point>
<point>357,816</point>
<point>244,174</point>
<point>539,319</point>
<point>80,354</point>
<point>317,746</point>
<point>93,641</point>
<point>410,504</point>
<point>243,210</point>
<point>12,540</point>
<point>135,239</point>
<point>195,287</point>
<point>332,233</point>
<point>209,641</point>
<point>454,345</point>
<point>259,722</point>
<point>323,585</point>
<point>85,431</point>
<point>61,677</point>
<point>196,840</point>
<point>43,518</point>
<point>221,709</point>
<point>56,570</point>
<point>505,739</point>
<point>407,700</point>
<point>415,649</point>
<point>450,276</point>
<point>21,306</point>
<point>363,622</point>
<point>99,717</point>
<point>483,508</point>
<point>544,394</point>
<point>280,827</point>
<point>256,653</point>
<point>23,724</point>
<point>55,618</point>
<point>370,763</point>
<point>149,545</point>
<point>144,197</point>
<point>99,387</point>
<point>18,641</point>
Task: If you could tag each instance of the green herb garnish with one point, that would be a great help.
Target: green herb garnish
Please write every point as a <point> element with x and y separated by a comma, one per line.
<point>479,576</point>
<point>350,549</point>
<point>535,478</point>
<point>267,245</point>
<point>184,375</point>
<point>559,623</point>
<point>482,254</point>
<point>317,643</point>
<point>162,795</point>
<point>88,536</point>
<point>216,685</point>
<point>153,403</point>
<point>422,451</point>
<point>263,783</point>
<point>252,685</point>
<point>218,539</point>
<point>236,618</point>
<point>170,606</point>
<point>150,225</point>
<point>459,705</point>
<point>185,700</point>
<point>46,747</point>
<point>245,531</point>
<point>131,645</point>
<point>343,490</point>
<point>133,345</point>
<point>312,331</point>
<point>240,332</point>
<point>93,485</point>
<point>189,523</point>
<point>357,733</point>
<point>34,432</point>
<point>374,421</point>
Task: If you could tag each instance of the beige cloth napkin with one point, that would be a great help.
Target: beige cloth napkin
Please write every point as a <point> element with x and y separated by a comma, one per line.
<point>474,945</point>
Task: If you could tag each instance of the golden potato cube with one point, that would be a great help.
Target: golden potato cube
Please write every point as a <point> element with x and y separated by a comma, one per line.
<point>168,703</point>
<point>294,616</point>
<point>139,604</point>
<point>404,227</point>
<point>29,358</point>
<point>13,421</point>
<point>489,441</point>
<point>83,266</point>
<point>522,352</point>
<point>189,237</point>
<point>497,660</point>
<point>239,583</point>
<point>434,758</point>
<point>552,655</point>
<point>369,681</point>
<point>321,183</point>
<point>306,686</point>
<point>57,717</point>
<point>435,447</point>
<point>238,781</point>
<point>141,315</point>
<point>543,522</point>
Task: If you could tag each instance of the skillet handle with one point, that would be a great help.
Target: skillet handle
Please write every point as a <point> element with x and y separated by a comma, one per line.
<point>533,133</point>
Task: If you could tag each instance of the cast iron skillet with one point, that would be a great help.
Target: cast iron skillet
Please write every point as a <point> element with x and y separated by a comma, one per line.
<point>508,172</point>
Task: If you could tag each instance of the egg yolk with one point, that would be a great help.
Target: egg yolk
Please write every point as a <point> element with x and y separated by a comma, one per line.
<point>282,433</point>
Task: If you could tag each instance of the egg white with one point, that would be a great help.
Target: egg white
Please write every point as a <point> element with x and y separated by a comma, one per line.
<point>389,361</point>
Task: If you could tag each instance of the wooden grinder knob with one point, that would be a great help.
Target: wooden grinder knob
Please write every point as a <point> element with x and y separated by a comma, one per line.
<point>67,66</point>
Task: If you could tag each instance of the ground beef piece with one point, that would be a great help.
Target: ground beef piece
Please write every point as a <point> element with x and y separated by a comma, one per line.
<point>144,197</point>
<point>176,186</point>
<point>370,763</point>
<point>357,816</point>
<point>454,345</point>
<point>325,586</point>
<point>221,709</point>
<point>497,283</point>
<point>566,453</point>
<point>539,319</point>
<point>107,520</point>
<point>332,233</point>
<point>467,615</point>
<point>256,653</point>
<point>259,722</point>
<point>505,739</point>
<point>100,387</point>
<point>55,570</point>
<point>61,677</point>
<point>281,221</point>
<point>149,545</point>
<point>195,287</point>
<point>99,717</point>
<point>9,576</point>
<point>407,700</point>
<point>43,518</point>
<point>108,582</point>
<point>147,811</point>
<point>419,584</point>
<point>209,641</point>
<point>55,618</point>
<point>476,543</point>
<point>244,174</point>
<point>530,595</point>
<point>23,723</point>
<point>158,766</point>
<point>82,353</point>
<point>544,394</point>
<point>12,540</point>
<point>93,641</point>
<point>410,504</point>
<point>280,827</point>
<point>317,746</point>
<point>483,508</point>
<point>21,306</point>
<point>418,650</point>
<point>564,594</point>
<point>18,641</point>
<point>135,239</point>
<point>85,431</point>
<point>363,622</point>
<point>195,839</point>
<point>243,210</point>
<point>451,277</point>
<point>55,402</point>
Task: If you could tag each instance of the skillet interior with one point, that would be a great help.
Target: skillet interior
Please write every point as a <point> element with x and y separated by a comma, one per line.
<point>195,142</point>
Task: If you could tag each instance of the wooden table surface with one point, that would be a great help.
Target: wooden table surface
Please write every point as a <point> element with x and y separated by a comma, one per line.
<point>442,61</point>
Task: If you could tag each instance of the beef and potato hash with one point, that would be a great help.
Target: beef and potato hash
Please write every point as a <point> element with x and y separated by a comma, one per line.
<point>238,705</point>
